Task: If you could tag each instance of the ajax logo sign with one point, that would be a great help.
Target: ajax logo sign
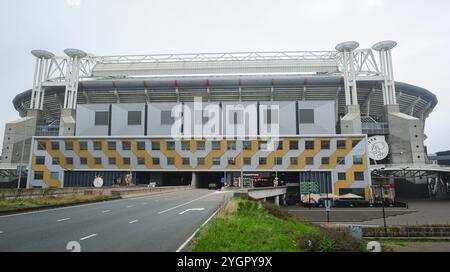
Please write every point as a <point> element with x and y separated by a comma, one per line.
<point>378,148</point>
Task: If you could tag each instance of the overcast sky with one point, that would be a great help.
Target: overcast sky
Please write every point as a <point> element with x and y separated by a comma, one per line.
<point>106,27</point>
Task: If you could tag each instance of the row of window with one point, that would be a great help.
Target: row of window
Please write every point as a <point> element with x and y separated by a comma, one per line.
<point>357,160</point>
<point>200,145</point>
<point>359,176</point>
<point>270,116</point>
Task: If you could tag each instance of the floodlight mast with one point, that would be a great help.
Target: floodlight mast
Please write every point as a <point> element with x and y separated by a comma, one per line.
<point>348,69</point>
<point>43,60</point>
<point>384,48</point>
<point>72,77</point>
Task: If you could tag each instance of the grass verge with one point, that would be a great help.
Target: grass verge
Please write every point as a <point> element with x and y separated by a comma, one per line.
<point>250,226</point>
<point>48,201</point>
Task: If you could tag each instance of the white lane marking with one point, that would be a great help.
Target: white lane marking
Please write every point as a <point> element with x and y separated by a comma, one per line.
<point>106,211</point>
<point>184,204</point>
<point>134,221</point>
<point>1,232</point>
<point>63,219</point>
<point>195,232</point>
<point>195,209</point>
<point>87,237</point>
<point>130,206</point>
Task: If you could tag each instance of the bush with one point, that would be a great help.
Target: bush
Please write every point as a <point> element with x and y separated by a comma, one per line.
<point>329,240</point>
<point>276,211</point>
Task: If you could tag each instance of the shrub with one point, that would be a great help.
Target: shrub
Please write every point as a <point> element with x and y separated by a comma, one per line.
<point>329,240</point>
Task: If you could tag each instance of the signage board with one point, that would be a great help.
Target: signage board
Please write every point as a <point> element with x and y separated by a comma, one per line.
<point>378,148</point>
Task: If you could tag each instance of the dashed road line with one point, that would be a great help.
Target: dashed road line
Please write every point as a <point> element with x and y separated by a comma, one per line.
<point>184,204</point>
<point>130,206</point>
<point>134,221</point>
<point>87,237</point>
<point>63,219</point>
<point>106,211</point>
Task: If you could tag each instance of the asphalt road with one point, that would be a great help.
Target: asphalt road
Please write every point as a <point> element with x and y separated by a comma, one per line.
<point>153,223</point>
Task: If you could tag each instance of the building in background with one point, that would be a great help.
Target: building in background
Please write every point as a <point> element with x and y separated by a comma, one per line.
<point>92,115</point>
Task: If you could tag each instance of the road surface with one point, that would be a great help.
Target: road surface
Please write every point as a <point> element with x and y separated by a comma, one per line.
<point>153,223</point>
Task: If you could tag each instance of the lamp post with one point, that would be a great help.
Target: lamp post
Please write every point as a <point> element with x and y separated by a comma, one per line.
<point>382,177</point>
<point>404,177</point>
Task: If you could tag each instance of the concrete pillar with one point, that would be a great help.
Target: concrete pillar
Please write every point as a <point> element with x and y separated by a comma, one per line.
<point>276,200</point>
<point>351,122</point>
<point>67,122</point>
<point>194,179</point>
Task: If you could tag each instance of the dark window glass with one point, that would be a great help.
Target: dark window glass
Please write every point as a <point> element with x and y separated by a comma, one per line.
<point>342,176</point>
<point>325,145</point>
<point>38,175</point>
<point>97,160</point>
<point>101,118</point>
<point>170,145</point>
<point>40,160</point>
<point>141,161</point>
<point>294,160</point>
<point>41,146</point>
<point>357,160</point>
<point>112,160</point>
<point>170,161</point>
<point>185,145</point>
<point>247,145</point>
<point>69,160</point>
<point>112,146</point>
<point>231,161</point>
<point>216,145</point>
<point>126,160</point>
<point>134,118</point>
<point>69,146</point>
<point>83,146</point>
<point>55,145</point>
<point>341,144</point>
<point>325,160</point>
<point>186,161</point>
<point>262,145</point>
<point>355,143</point>
<point>278,161</point>
<point>340,160</point>
<point>200,161</point>
<point>83,160</point>
<point>309,160</point>
<point>156,145</point>
<point>97,146</point>
<point>200,145</point>
<point>309,145</point>
<point>231,145</point>
<point>306,116</point>
<point>247,161</point>
<point>262,161</point>
<point>359,176</point>
<point>155,161</point>
<point>216,161</point>
<point>55,161</point>
<point>140,146</point>
<point>126,146</point>
<point>293,145</point>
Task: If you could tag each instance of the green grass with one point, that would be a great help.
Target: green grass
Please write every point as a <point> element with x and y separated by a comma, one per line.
<point>17,204</point>
<point>246,226</point>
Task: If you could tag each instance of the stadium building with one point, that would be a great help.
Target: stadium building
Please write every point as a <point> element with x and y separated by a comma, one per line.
<point>112,116</point>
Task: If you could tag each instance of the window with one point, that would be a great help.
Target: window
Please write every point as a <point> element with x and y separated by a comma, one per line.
<point>83,160</point>
<point>216,145</point>
<point>293,145</point>
<point>247,161</point>
<point>200,161</point>
<point>200,145</point>
<point>97,146</point>
<point>278,161</point>
<point>247,145</point>
<point>185,145</point>
<point>170,161</point>
<point>280,145</point>
<point>126,146</point>
<point>170,145</point>
<point>156,145</point>
<point>325,145</point>
<point>101,118</point>
<point>231,145</point>
<point>55,161</point>
<point>357,160</point>
<point>83,146</point>
<point>185,161</point>
<point>309,145</point>
<point>270,116</point>
<point>216,161</point>
<point>340,160</point>
<point>126,160</point>
<point>155,161</point>
<point>309,160</point>
<point>293,161</point>
<point>231,161</point>
<point>40,160</point>
<point>359,176</point>
<point>68,146</point>
<point>134,118</point>
<point>112,160</point>
<point>342,176</point>
<point>262,160</point>
<point>54,175</point>
<point>140,145</point>
<point>112,146</point>
<point>38,175</point>
<point>306,116</point>
<point>55,145</point>
<point>69,160</point>
<point>166,118</point>
<point>325,160</point>
<point>141,161</point>
<point>97,160</point>
<point>355,143</point>
<point>341,144</point>
<point>41,146</point>
<point>262,145</point>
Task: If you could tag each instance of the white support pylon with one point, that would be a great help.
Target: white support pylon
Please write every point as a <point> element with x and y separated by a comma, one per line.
<point>384,48</point>
<point>72,77</point>
<point>348,69</point>
<point>40,75</point>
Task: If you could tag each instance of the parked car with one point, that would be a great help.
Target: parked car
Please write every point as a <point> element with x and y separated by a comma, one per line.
<point>212,186</point>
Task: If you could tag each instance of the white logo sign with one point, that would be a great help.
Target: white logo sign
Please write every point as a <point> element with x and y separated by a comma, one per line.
<point>378,148</point>
<point>98,182</point>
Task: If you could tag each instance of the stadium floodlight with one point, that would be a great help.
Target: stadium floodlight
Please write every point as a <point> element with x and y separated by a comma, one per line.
<point>347,46</point>
<point>42,54</point>
<point>73,53</point>
<point>384,45</point>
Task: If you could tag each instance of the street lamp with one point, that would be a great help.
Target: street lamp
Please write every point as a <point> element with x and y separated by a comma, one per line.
<point>382,177</point>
